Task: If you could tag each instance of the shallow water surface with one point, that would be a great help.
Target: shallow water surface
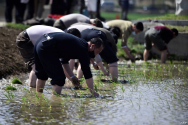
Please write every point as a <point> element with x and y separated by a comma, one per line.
<point>154,94</point>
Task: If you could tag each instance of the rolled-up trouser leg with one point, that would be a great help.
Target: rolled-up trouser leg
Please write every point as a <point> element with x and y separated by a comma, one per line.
<point>113,68</point>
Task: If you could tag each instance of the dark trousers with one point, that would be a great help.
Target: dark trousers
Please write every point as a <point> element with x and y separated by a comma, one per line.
<point>20,9</point>
<point>30,7</point>
<point>58,7</point>
<point>124,13</point>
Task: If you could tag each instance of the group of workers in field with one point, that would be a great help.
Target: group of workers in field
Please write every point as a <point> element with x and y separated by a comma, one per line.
<point>50,52</point>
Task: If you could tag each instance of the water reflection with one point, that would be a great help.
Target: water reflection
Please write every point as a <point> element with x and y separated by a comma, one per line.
<point>154,94</point>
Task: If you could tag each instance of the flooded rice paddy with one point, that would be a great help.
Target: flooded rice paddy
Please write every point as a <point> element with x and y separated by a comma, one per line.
<point>154,94</point>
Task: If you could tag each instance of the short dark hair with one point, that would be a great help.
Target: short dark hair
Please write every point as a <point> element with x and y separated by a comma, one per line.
<point>174,30</point>
<point>97,41</point>
<point>139,26</point>
<point>98,23</point>
<point>115,30</point>
<point>74,32</point>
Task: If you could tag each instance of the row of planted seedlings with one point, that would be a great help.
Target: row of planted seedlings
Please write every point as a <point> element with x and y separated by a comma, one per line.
<point>146,74</point>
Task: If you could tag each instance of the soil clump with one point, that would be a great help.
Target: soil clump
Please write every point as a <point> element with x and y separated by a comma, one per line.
<point>11,61</point>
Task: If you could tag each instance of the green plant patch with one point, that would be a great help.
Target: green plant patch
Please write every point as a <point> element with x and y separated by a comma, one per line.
<point>10,88</point>
<point>16,81</point>
<point>133,51</point>
<point>17,26</point>
<point>81,80</point>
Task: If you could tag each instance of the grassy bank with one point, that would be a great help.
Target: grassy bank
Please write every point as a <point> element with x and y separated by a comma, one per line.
<point>17,26</point>
<point>179,28</point>
<point>131,16</point>
<point>166,17</point>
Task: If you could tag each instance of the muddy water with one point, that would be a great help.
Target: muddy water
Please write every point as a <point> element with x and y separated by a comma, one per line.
<point>155,94</point>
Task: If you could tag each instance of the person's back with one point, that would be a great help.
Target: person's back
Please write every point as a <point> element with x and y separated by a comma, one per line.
<point>165,33</point>
<point>35,32</point>
<point>83,26</point>
<point>74,18</point>
<point>121,24</point>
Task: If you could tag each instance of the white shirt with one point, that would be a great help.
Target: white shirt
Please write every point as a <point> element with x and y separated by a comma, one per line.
<point>35,32</point>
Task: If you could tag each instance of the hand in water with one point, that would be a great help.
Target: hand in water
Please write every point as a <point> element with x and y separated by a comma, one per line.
<point>132,59</point>
<point>96,94</point>
<point>106,73</point>
<point>76,82</point>
<point>95,67</point>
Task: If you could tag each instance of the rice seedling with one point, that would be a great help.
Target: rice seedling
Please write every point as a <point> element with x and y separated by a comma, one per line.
<point>9,95</point>
<point>16,81</point>
<point>9,87</point>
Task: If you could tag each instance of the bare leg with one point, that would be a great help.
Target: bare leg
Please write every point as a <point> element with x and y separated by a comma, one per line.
<point>32,78</point>
<point>113,68</point>
<point>40,85</point>
<point>71,63</point>
<point>66,74</point>
<point>79,72</point>
<point>163,56</point>
<point>57,89</point>
<point>146,54</point>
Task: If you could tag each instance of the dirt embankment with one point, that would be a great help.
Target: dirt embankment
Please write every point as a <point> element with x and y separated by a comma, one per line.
<point>11,62</point>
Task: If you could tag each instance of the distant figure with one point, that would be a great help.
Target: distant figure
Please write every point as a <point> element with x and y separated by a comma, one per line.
<point>98,15</point>
<point>124,4</point>
<point>35,9</point>
<point>70,6</point>
<point>91,7</point>
<point>30,11</point>
<point>20,9</point>
<point>58,7</point>
<point>39,8</point>
<point>82,6</point>
<point>159,37</point>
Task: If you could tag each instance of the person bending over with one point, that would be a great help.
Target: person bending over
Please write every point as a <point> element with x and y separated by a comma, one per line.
<point>25,42</point>
<point>53,46</point>
<point>124,30</point>
<point>159,37</point>
<point>66,21</point>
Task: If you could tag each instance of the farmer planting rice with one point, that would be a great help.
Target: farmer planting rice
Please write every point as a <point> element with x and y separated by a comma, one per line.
<point>66,21</point>
<point>159,37</point>
<point>123,29</point>
<point>88,32</point>
<point>25,42</point>
<point>50,47</point>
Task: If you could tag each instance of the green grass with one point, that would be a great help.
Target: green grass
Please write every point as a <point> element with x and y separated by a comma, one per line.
<point>10,88</point>
<point>166,17</point>
<point>16,81</point>
<point>131,16</point>
<point>179,28</point>
<point>136,48</point>
<point>17,26</point>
